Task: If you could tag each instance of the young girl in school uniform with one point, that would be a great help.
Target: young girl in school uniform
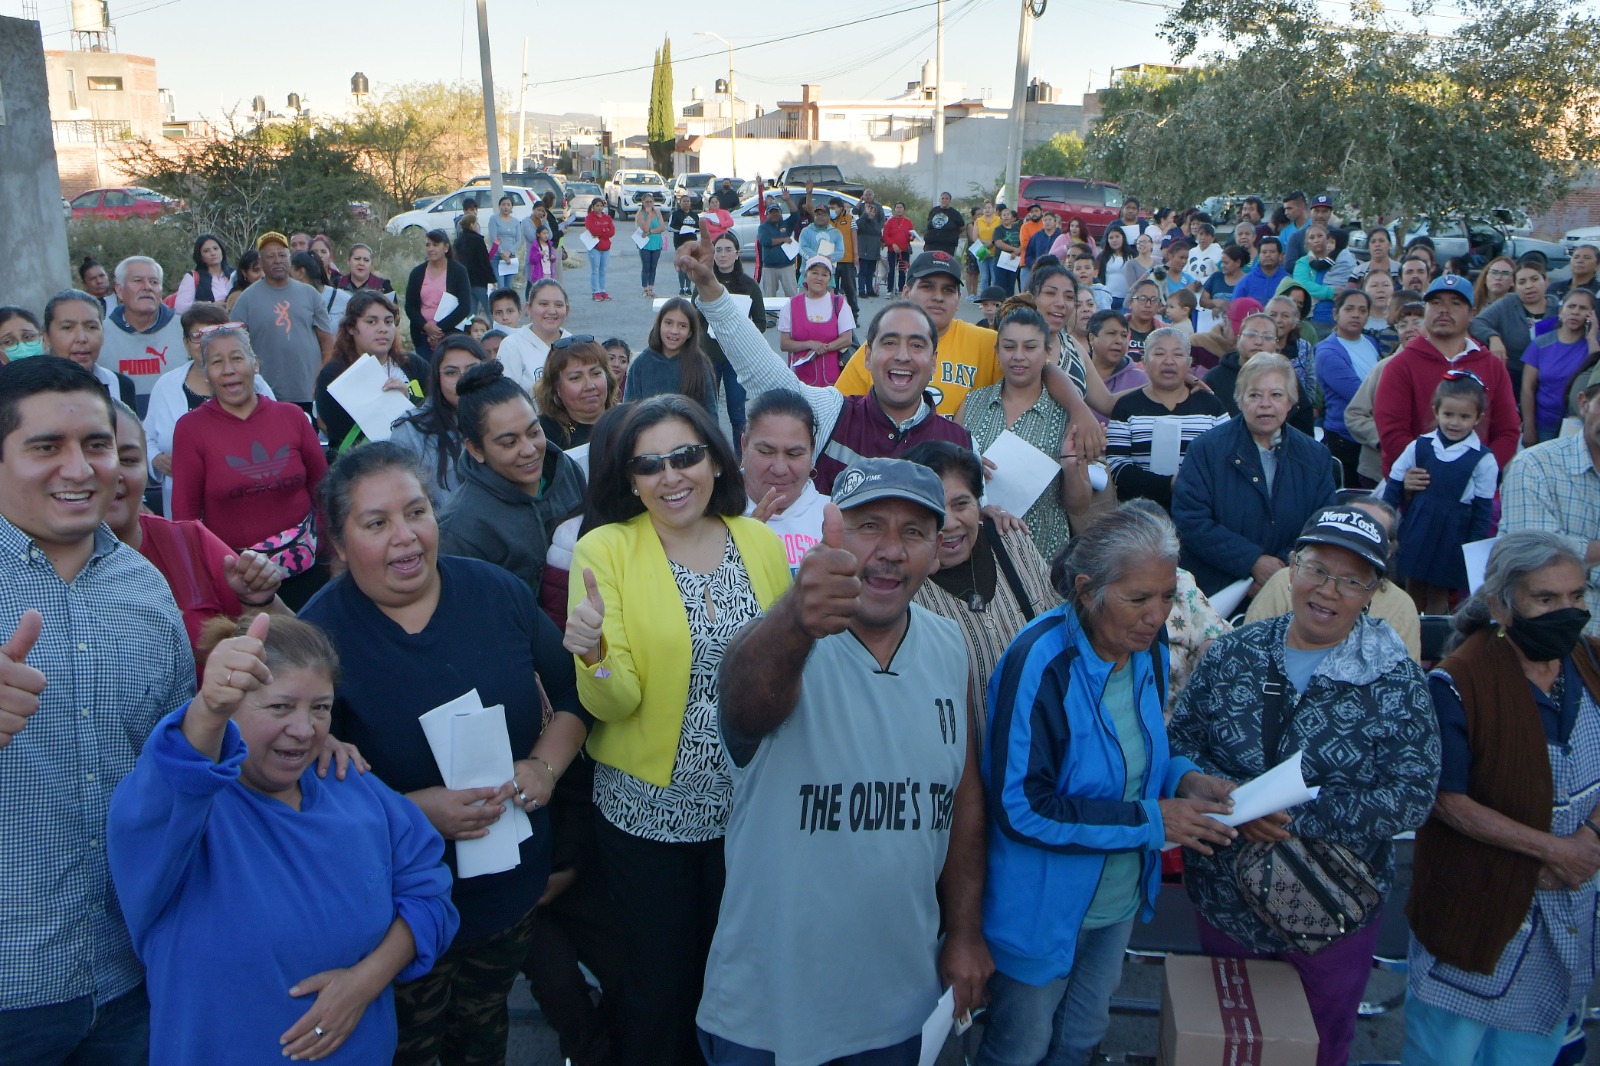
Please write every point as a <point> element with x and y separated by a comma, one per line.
<point>1443,485</point>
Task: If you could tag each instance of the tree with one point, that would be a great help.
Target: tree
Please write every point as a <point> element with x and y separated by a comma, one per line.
<point>1062,156</point>
<point>238,183</point>
<point>1498,113</point>
<point>661,128</point>
<point>417,137</point>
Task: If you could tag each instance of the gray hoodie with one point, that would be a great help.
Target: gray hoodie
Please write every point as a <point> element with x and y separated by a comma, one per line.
<point>490,518</point>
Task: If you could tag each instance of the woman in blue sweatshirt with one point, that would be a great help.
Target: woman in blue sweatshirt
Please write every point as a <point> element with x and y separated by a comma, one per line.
<point>272,909</point>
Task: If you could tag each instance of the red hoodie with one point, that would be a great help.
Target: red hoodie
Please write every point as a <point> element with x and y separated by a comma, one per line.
<point>599,223</point>
<point>897,234</point>
<point>1403,408</point>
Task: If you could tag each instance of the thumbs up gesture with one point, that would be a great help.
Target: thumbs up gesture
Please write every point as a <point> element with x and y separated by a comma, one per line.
<point>20,684</point>
<point>235,666</point>
<point>827,592</point>
<point>585,621</point>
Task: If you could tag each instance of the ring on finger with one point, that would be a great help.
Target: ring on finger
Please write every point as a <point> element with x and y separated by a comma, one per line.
<point>318,1030</point>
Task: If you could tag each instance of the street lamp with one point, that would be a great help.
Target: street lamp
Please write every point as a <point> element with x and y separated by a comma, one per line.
<point>733,140</point>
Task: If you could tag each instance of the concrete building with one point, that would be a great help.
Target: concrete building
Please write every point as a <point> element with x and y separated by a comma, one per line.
<point>98,99</point>
<point>709,113</point>
<point>33,241</point>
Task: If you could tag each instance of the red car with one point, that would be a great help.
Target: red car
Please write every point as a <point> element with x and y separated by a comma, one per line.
<point>127,202</point>
<point>1097,203</point>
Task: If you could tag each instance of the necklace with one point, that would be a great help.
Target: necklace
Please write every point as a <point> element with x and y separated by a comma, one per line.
<point>975,601</point>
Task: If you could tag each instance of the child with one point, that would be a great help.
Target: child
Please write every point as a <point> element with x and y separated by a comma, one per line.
<point>505,307</point>
<point>1443,485</point>
<point>990,300</point>
<point>621,355</point>
<point>1180,311</point>
<point>1550,362</point>
<point>539,256</point>
<point>477,327</point>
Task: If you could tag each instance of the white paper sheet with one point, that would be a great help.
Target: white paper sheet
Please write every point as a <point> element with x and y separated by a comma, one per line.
<point>506,267</point>
<point>588,240</point>
<point>790,248</point>
<point>689,228</point>
<point>360,392</point>
<point>1227,600</point>
<point>447,304</point>
<point>580,455</point>
<point>1278,789</point>
<point>824,247</point>
<point>472,748</point>
<point>1166,440</point>
<point>640,238</point>
<point>1099,478</point>
<point>1476,555</point>
<point>1007,261</point>
<point>936,1030</point>
<point>1022,472</point>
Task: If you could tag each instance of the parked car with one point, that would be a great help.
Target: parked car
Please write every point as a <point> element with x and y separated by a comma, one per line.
<point>1582,235</point>
<point>1096,203</point>
<point>127,202</point>
<point>1479,238</point>
<point>822,176</point>
<point>539,181</point>
<point>748,215</point>
<point>626,186</point>
<point>579,195</point>
<point>441,214</point>
<point>696,185</point>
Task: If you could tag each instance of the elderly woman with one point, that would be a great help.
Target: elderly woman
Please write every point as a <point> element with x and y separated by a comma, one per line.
<point>664,577</point>
<point>576,389</point>
<point>331,888</point>
<point>1330,681</point>
<point>249,467</point>
<point>780,445</point>
<point>430,433</point>
<point>415,630</point>
<point>1247,486</point>
<point>1503,894</point>
<point>516,487</point>
<point>1166,400</point>
<point>1074,851</point>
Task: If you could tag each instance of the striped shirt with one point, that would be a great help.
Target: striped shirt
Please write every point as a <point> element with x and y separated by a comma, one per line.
<point>1132,429</point>
<point>117,660</point>
<point>1553,487</point>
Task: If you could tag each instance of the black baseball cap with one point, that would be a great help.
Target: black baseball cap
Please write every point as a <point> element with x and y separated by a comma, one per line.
<point>935,263</point>
<point>992,293</point>
<point>1351,529</point>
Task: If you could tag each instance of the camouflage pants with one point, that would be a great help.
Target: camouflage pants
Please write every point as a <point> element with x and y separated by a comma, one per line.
<point>457,1013</point>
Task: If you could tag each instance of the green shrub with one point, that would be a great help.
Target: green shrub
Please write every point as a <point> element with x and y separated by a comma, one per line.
<point>898,187</point>
<point>113,240</point>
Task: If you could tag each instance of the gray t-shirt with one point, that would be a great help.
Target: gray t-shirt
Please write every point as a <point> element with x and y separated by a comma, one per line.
<point>827,944</point>
<point>283,322</point>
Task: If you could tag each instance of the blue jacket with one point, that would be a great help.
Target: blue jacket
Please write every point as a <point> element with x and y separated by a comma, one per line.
<point>1054,775</point>
<point>772,255</point>
<point>1258,286</point>
<point>1225,514</point>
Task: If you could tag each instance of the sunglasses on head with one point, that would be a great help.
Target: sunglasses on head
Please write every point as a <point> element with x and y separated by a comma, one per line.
<point>681,458</point>
<point>567,342</point>
<point>204,330</point>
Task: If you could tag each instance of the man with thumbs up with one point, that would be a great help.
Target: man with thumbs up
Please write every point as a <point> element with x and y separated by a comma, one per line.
<point>858,815</point>
<point>94,654</point>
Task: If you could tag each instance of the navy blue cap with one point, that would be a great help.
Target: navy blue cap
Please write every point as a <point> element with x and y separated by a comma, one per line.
<point>866,480</point>
<point>1450,283</point>
<point>1322,201</point>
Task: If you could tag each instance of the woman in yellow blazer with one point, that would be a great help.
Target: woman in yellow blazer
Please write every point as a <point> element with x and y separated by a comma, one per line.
<point>670,572</point>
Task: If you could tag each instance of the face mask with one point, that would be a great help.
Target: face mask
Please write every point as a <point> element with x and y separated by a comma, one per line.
<point>833,214</point>
<point>25,350</point>
<point>1548,636</point>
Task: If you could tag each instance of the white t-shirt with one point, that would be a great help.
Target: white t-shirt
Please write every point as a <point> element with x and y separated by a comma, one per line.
<point>799,525</point>
<point>817,311</point>
<point>1203,262</point>
<point>523,354</point>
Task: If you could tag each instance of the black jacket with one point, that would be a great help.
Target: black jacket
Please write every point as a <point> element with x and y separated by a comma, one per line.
<point>491,519</point>
<point>456,283</point>
<point>472,252</point>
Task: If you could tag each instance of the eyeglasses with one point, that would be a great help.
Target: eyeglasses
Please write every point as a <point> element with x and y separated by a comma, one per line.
<point>647,465</point>
<point>1348,587</point>
<point>567,342</point>
<point>1500,273</point>
<point>1144,299</point>
<point>28,337</point>
<point>1257,335</point>
<point>206,330</point>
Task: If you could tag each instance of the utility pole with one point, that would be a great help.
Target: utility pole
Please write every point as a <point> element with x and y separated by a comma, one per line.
<point>1019,105</point>
<point>522,113</point>
<point>938,104</point>
<point>497,183</point>
<point>733,117</point>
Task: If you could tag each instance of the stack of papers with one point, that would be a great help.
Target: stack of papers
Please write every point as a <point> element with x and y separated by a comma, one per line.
<point>360,392</point>
<point>472,748</point>
<point>1278,789</point>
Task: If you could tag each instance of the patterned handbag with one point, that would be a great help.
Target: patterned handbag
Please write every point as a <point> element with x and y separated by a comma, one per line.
<point>1309,892</point>
<point>294,549</point>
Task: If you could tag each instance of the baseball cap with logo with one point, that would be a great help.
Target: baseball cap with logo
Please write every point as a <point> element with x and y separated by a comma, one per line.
<point>1322,201</point>
<point>867,480</point>
<point>269,237</point>
<point>1351,529</point>
<point>1450,283</point>
<point>935,263</point>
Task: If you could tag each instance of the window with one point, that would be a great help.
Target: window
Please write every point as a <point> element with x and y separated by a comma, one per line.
<point>517,199</point>
<point>1046,190</point>
<point>104,84</point>
<point>1113,194</point>
<point>119,198</point>
<point>452,202</point>
<point>88,199</point>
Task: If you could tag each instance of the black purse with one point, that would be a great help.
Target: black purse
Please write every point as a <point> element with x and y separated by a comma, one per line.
<point>1308,892</point>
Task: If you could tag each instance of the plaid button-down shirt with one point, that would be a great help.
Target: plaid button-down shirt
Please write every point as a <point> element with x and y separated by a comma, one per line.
<point>1553,487</point>
<point>116,659</point>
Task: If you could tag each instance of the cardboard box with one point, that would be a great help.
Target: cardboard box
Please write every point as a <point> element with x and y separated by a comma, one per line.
<point>1234,1012</point>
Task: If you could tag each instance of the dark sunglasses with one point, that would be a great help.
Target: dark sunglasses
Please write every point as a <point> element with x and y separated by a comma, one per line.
<point>680,458</point>
<point>567,342</point>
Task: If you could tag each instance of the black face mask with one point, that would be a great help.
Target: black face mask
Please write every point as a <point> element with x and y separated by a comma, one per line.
<point>1548,636</point>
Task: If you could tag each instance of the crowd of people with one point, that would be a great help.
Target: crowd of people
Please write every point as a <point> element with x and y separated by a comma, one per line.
<point>802,728</point>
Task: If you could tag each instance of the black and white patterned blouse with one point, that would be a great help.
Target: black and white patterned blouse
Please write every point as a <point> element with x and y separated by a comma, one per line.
<point>694,806</point>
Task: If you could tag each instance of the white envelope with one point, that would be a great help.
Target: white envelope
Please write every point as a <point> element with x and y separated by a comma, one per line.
<point>1278,789</point>
<point>447,304</point>
<point>360,392</point>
